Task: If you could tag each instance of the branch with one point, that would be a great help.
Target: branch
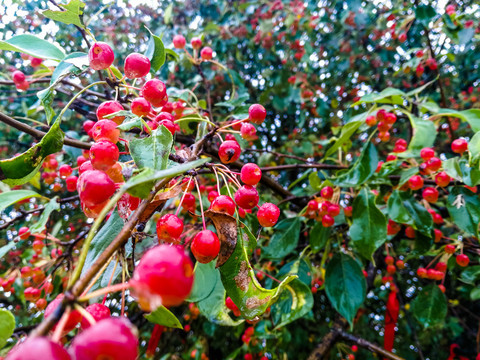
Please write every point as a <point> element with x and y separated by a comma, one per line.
<point>328,340</point>
<point>37,134</point>
<point>277,154</point>
<point>304,166</point>
<point>368,345</point>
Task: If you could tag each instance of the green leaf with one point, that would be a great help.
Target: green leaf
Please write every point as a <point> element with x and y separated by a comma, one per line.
<point>292,304</point>
<point>465,35</point>
<point>242,286</point>
<point>472,116</point>
<point>425,13</point>
<point>424,133</point>
<point>141,184</point>
<point>32,45</point>
<point>155,52</point>
<point>387,96</point>
<point>470,275</point>
<point>73,13</point>
<point>345,285</point>
<point>152,152</point>
<point>5,249</point>
<point>100,242</point>
<point>135,122</point>
<point>167,16</point>
<point>20,169</point>
<point>13,196</point>
<point>7,326</point>
<point>369,227</point>
<point>430,306</point>
<point>319,236</point>
<point>284,239</point>
<point>474,147</point>
<point>172,53</point>
<point>206,277</point>
<point>347,131</point>
<point>459,169</point>
<point>404,209</point>
<point>39,225</point>
<point>163,316</point>
<point>464,207</point>
<point>362,170</point>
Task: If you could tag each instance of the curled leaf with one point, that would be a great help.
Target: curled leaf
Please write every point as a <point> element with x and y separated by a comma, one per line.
<point>226,226</point>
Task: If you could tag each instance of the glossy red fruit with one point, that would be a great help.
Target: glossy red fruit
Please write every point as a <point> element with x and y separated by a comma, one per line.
<point>34,346</point>
<point>462,260</point>
<point>189,202</point>
<point>450,249</point>
<point>392,227</point>
<point>230,304</point>
<point>459,146</point>
<point>415,182</point>
<point>110,107</point>
<point>400,264</point>
<point>205,246</point>
<point>257,114</point>
<point>164,276</point>
<point>250,174</point>
<point>196,43</point>
<point>112,339</point>
<point>87,165</point>
<point>442,179</point>
<point>65,171</point>
<point>98,312</point>
<point>24,232</point>
<point>169,125</point>
<point>105,130</point>
<point>327,193</point>
<point>327,220</point>
<point>430,194</point>
<point>95,187</point>
<point>312,205</point>
<point>246,197</point>
<point>391,118</point>
<point>179,41</point>
<point>268,214</point>
<point>155,92</point>
<point>248,132</point>
<point>434,164</point>
<point>103,155</point>
<point>206,53</point>
<point>422,272</point>
<point>100,56</point>
<point>438,235</point>
<point>140,107</point>
<point>136,66</point>
<point>223,204</point>
<point>34,61</point>
<point>333,210</point>
<point>389,260</point>
<point>410,232</point>
<point>427,153</point>
<point>169,228</point>
<point>24,85</point>
<point>229,151</point>
<point>73,318</point>
<point>402,37</point>
<point>391,269</point>
<point>18,76</point>
<point>371,120</point>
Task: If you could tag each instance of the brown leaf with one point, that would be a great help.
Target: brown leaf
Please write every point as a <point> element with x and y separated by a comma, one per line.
<point>158,201</point>
<point>226,227</point>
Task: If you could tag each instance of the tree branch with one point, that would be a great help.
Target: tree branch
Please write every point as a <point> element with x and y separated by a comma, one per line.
<point>322,350</point>
<point>368,345</point>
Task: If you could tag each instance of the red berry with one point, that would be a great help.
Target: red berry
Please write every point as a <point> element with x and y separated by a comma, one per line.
<point>441,266</point>
<point>438,235</point>
<point>250,174</point>
<point>230,304</point>
<point>229,151</point>
<point>415,182</point>
<point>169,228</point>
<point>430,194</point>
<point>459,146</point>
<point>179,41</point>
<point>65,171</point>
<point>141,107</point>
<point>105,130</point>
<point>95,187</point>
<point>155,92</point>
<point>391,118</point>
<point>268,214</point>
<point>371,120</point>
<point>98,312</point>
<point>248,132</point>
<point>18,76</point>
<point>400,264</point>
<point>169,125</point>
<point>205,246</point>
<point>164,276</point>
<point>34,346</point>
<point>434,164</point>
<point>450,249</point>
<point>327,193</point>
<point>136,66</point>
<point>35,61</point>
<point>73,318</point>
<point>24,85</point>
<point>246,197</point>
<point>333,210</point>
<point>196,43</point>
<point>112,338</point>
<point>110,107</point>
<point>427,153</point>
<point>103,155</point>
<point>389,260</point>
<point>24,232</point>
<point>257,114</point>
<point>223,204</point>
<point>189,202</point>
<point>462,260</point>
<point>327,221</point>
<point>422,272</point>
<point>442,179</point>
<point>392,227</point>
<point>206,53</point>
<point>402,37</point>
<point>410,232</point>
<point>312,205</point>
<point>100,56</point>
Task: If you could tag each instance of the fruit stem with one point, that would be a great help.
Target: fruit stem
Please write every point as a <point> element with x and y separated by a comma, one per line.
<point>201,204</point>
<point>267,275</point>
<point>110,280</point>
<point>183,197</point>
<point>94,280</point>
<point>105,290</point>
<point>231,124</point>
<point>124,268</point>
<point>85,314</point>
<point>57,334</point>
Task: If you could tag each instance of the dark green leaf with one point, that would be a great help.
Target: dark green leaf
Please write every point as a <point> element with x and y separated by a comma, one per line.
<point>425,13</point>
<point>362,170</point>
<point>163,316</point>
<point>369,228</point>
<point>206,277</point>
<point>319,236</point>
<point>345,285</point>
<point>73,13</point>
<point>464,207</point>
<point>292,304</point>
<point>347,131</point>
<point>284,239</point>
<point>430,306</point>
<point>32,45</point>
<point>155,52</point>
<point>470,274</point>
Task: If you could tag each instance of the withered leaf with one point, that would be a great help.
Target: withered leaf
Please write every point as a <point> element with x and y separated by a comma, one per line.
<point>158,201</point>
<point>226,227</point>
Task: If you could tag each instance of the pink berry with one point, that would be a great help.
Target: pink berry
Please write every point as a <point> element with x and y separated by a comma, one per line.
<point>196,43</point>
<point>248,132</point>
<point>73,318</point>
<point>179,41</point>
<point>98,312</point>
<point>251,174</point>
<point>206,53</point>
<point>268,214</point>
<point>136,66</point>
<point>110,107</point>
<point>100,56</point>
<point>18,76</point>
<point>34,346</point>
<point>229,151</point>
<point>155,92</point>
<point>257,113</point>
<point>95,187</point>
<point>205,246</point>
<point>246,197</point>
<point>223,204</point>
<point>103,155</point>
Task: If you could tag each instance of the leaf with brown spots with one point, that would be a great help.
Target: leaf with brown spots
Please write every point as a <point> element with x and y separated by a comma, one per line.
<point>226,227</point>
